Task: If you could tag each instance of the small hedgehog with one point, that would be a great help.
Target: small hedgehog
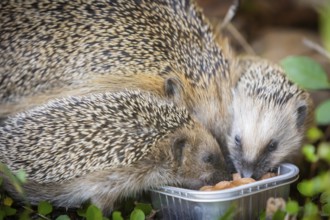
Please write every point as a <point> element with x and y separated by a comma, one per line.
<point>104,147</point>
<point>270,115</point>
<point>50,46</point>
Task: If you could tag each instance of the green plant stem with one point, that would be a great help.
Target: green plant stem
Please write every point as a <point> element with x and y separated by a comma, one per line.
<point>32,211</point>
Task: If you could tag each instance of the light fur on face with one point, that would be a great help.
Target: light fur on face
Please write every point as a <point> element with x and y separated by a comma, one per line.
<point>270,115</point>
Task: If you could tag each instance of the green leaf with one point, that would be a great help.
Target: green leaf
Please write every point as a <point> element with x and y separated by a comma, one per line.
<point>1,180</point>
<point>326,209</point>
<point>9,210</point>
<point>325,197</point>
<point>292,207</point>
<point>44,208</point>
<point>25,215</point>
<point>322,113</point>
<point>325,25</point>
<point>314,134</point>
<point>309,152</point>
<point>305,188</point>
<point>262,215</point>
<point>318,184</point>
<point>93,213</point>
<point>63,217</point>
<point>81,212</point>
<point>279,215</point>
<point>146,208</point>
<point>12,178</point>
<point>8,201</point>
<point>229,214</point>
<point>21,176</point>
<point>305,72</point>
<point>310,210</point>
<point>116,215</point>
<point>2,214</point>
<point>137,214</point>
<point>323,151</point>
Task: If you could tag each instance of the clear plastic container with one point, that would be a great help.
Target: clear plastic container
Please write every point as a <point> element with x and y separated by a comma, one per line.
<point>249,200</point>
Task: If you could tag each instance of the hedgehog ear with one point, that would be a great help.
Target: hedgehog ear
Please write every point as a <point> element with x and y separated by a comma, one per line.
<point>172,88</point>
<point>177,148</point>
<point>301,114</point>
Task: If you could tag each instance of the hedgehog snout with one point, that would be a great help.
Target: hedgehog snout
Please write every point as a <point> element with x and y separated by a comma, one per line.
<point>247,169</point>
<point>246,172</point>
<point>254,171</point>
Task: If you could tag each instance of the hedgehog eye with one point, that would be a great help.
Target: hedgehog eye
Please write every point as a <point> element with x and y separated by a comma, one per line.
<point>238,141</point>
<point>209,158</point>
<point>272,146</point>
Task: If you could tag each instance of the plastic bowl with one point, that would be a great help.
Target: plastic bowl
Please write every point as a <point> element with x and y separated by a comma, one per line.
<point>249,200</point>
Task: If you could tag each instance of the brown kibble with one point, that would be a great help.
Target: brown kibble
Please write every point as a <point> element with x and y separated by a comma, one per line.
<point>223,185</point>
<point>268,175</point>
<point>242,181</point>
<point>237,181</point>
<point>207,188</point>
<point>236,176</point>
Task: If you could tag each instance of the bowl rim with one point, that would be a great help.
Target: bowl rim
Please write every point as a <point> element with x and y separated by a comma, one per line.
<point>290,175</point>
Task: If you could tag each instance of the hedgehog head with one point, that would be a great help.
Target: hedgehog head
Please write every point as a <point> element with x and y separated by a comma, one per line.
<point>210,105</point>
<point>270,115</point>
<point>196,158</point>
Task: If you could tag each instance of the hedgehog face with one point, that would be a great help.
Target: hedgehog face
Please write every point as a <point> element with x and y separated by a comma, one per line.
<point>199,158</point>
<point>265,132</point>
<point>197,99</point>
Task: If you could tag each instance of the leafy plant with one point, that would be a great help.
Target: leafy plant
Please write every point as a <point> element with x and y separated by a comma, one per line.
<point>310,75</point>
<point>306,72</point>
<point>316,190</point>
<point>44,208</point>
<point>137,214</point>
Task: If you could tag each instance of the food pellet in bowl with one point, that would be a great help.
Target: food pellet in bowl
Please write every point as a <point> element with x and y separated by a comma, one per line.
<point>237,181</point>
<point>242,181</point>
<point>223,185</point>
<point>207,188</point>
<point>268,175</point>
<point>236,176</point>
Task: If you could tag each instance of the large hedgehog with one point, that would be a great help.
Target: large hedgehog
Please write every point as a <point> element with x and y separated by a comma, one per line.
<point>47,46</point>
<point>270,115</point>
<point>107,146</point>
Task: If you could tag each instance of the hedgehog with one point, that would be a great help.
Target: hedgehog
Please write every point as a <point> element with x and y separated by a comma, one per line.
<point>104,147</point>
<point>270,115</point>
<point>50,47</point>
